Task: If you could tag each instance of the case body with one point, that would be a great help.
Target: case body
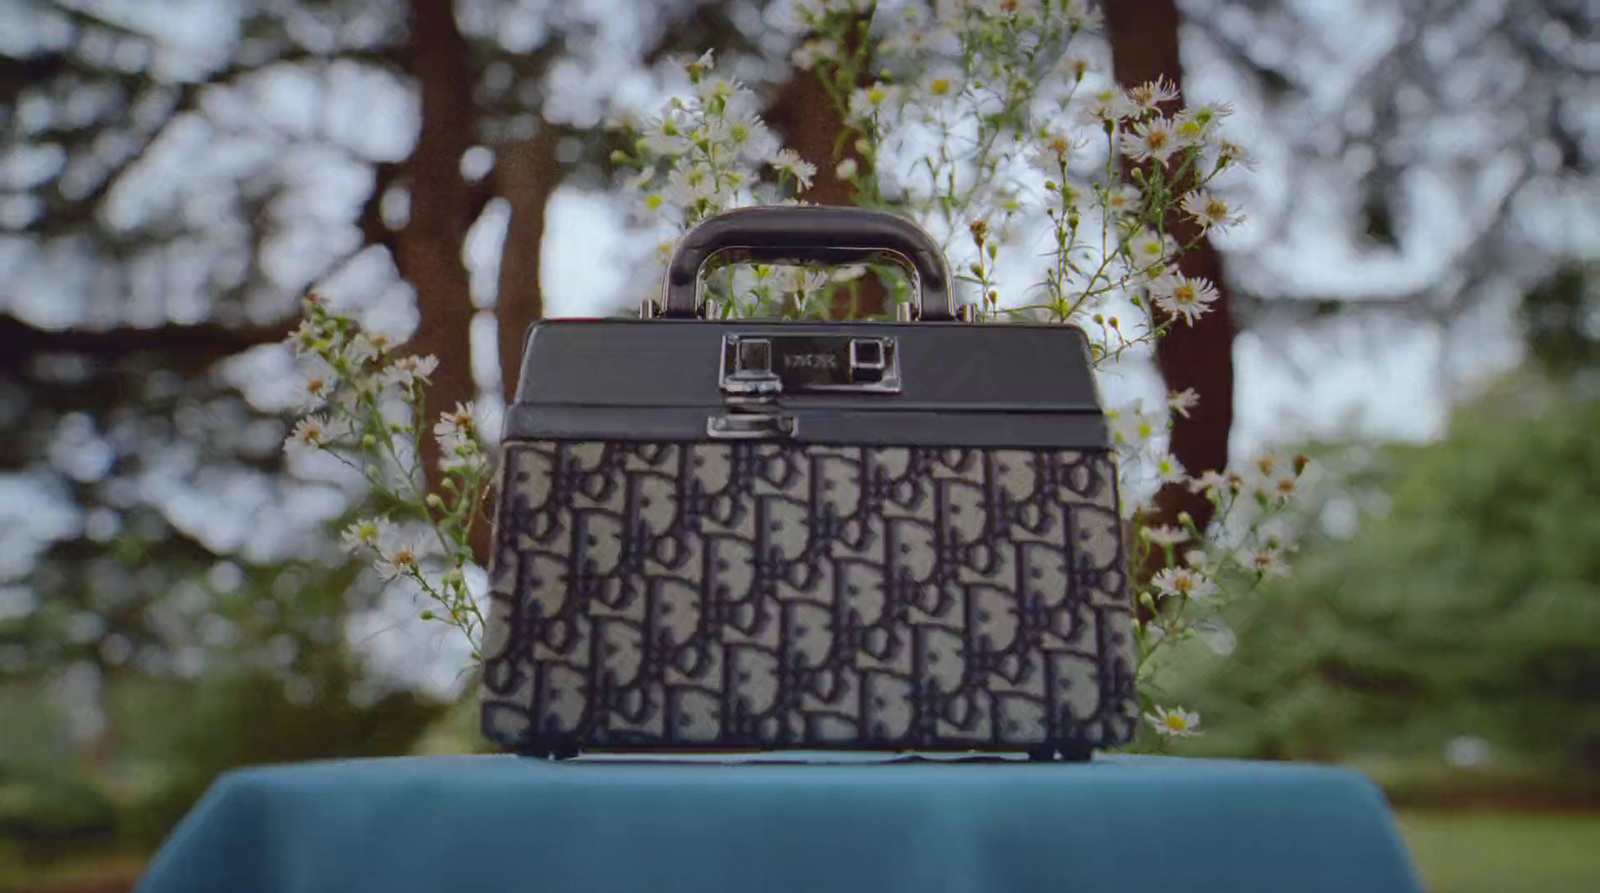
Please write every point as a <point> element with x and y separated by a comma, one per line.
<point>753,536</point>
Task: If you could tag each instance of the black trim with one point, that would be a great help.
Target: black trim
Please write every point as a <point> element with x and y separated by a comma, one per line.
<point>985,430</point>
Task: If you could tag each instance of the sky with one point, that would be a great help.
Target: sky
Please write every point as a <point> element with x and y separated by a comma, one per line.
<point>1358,374</point>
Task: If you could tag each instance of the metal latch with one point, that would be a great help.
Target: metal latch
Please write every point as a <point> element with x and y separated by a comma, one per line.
<point>798,364</point>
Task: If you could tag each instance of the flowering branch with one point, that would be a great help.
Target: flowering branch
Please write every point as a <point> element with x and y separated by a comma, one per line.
<point>369,416</point>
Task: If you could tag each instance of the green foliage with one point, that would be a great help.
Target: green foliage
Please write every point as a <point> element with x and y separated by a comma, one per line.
<point>43,804</point>
<point>191,735</point>
<point>1471,606</point>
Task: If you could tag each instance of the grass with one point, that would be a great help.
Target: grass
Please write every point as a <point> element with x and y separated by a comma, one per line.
<point>1455,851</point>
<point>1504,852</point>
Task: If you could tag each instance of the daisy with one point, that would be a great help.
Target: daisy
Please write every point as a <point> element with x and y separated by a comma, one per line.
<point>809,53</point>
<point>868,102</point>
<point>1053,153</point>
<point>359,351</point>
<point>1080,16</point>
<point>1209,210</point>
<point>398,558</point>
<point>407,371</point>
<point>1211,483</point>
<point>319,385</point>
<point>304,338</point>
<point>1180,402</point>
<point>458,452</point>
<point>1182,582</point>
<point>1230,153</point>
<point>310,434</point>
<point>1124,199</point>
<point>1150,248</point>
<point>1145,97</point>
<point>1153,139</point>
<point>1183,296</point>
<point>1174,723</point>
<point>366,532</point>
<point>1107,107</point>
<point>459,422</point>
<point>1267,563</point>
<point>788,161</point>
<point>1169,469</point>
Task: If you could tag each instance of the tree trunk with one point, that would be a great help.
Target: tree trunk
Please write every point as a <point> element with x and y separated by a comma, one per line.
<point>810,124</point>
<point>526,174</point>
<point>1144,46</point>
<point>430,246</point>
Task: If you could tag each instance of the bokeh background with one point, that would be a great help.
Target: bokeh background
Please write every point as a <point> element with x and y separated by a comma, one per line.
<point>1414,303</point>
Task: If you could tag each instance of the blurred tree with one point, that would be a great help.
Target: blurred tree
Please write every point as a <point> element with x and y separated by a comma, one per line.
<point>1445,152</point>
<point>168,187</point>
<point>1199,356</point>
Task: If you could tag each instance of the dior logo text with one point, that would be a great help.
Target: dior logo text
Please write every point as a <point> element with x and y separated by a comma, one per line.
<point>810,361</point>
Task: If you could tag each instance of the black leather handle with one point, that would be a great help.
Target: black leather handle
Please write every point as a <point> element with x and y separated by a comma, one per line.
<point>834,235</point>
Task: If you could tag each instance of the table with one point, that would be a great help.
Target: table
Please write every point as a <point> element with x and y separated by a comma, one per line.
<point>503,823</point>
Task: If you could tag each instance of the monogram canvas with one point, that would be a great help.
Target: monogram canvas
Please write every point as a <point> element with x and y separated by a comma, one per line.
<point>760,595</point>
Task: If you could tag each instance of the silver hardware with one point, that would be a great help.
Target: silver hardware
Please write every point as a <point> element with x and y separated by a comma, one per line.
<point>751,426</point>
<point>904,312</point>
<point>768,365</point>
<point>747,366</point>
<point>649,309</point>
<point>967,313</point>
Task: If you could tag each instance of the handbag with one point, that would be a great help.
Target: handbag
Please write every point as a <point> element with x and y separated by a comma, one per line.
<point>746,535</point>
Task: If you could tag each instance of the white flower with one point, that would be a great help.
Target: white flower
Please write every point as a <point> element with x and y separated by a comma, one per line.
<point>368,532</point>
<point>1168,469</point>
<point>460,452</point>
<point>1196,126</point>
<point>1108,106</point>
<point>868,103</point>
<point>1182,582</point>
<point>1183,296</point>
<point>459,422</point>
<point>1232,154</point>
<point>1174,723</point>
<point>1080,16</point>
<point>305,337</point>
<point>940,87</point>
<point>1123,199</point>
<point>808,54</point>
<point>687,186</point>
<point>846,169</point>
<point>399,557</point>
<point>1180,402</point>
<point>1132,426</point>
<point>320,383</point>
<point>698,68</point>
<point>789,162</point>
<point>1164,536</point>
<point>1150,248</point>
<point>1212,483</point>
<point>310,434</point>
<point>668,135</point>
<point>1018,9</point>
<point>406,371</point>
<point>1267,563</point>
<point>1209,210</point>
<point>1053,153</point>
<point>1147,96</point>
<point>1154,138</point>
<point>359,351</point>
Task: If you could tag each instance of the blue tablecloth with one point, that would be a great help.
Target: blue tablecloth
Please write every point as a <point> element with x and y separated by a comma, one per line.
<point>493,823</point>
